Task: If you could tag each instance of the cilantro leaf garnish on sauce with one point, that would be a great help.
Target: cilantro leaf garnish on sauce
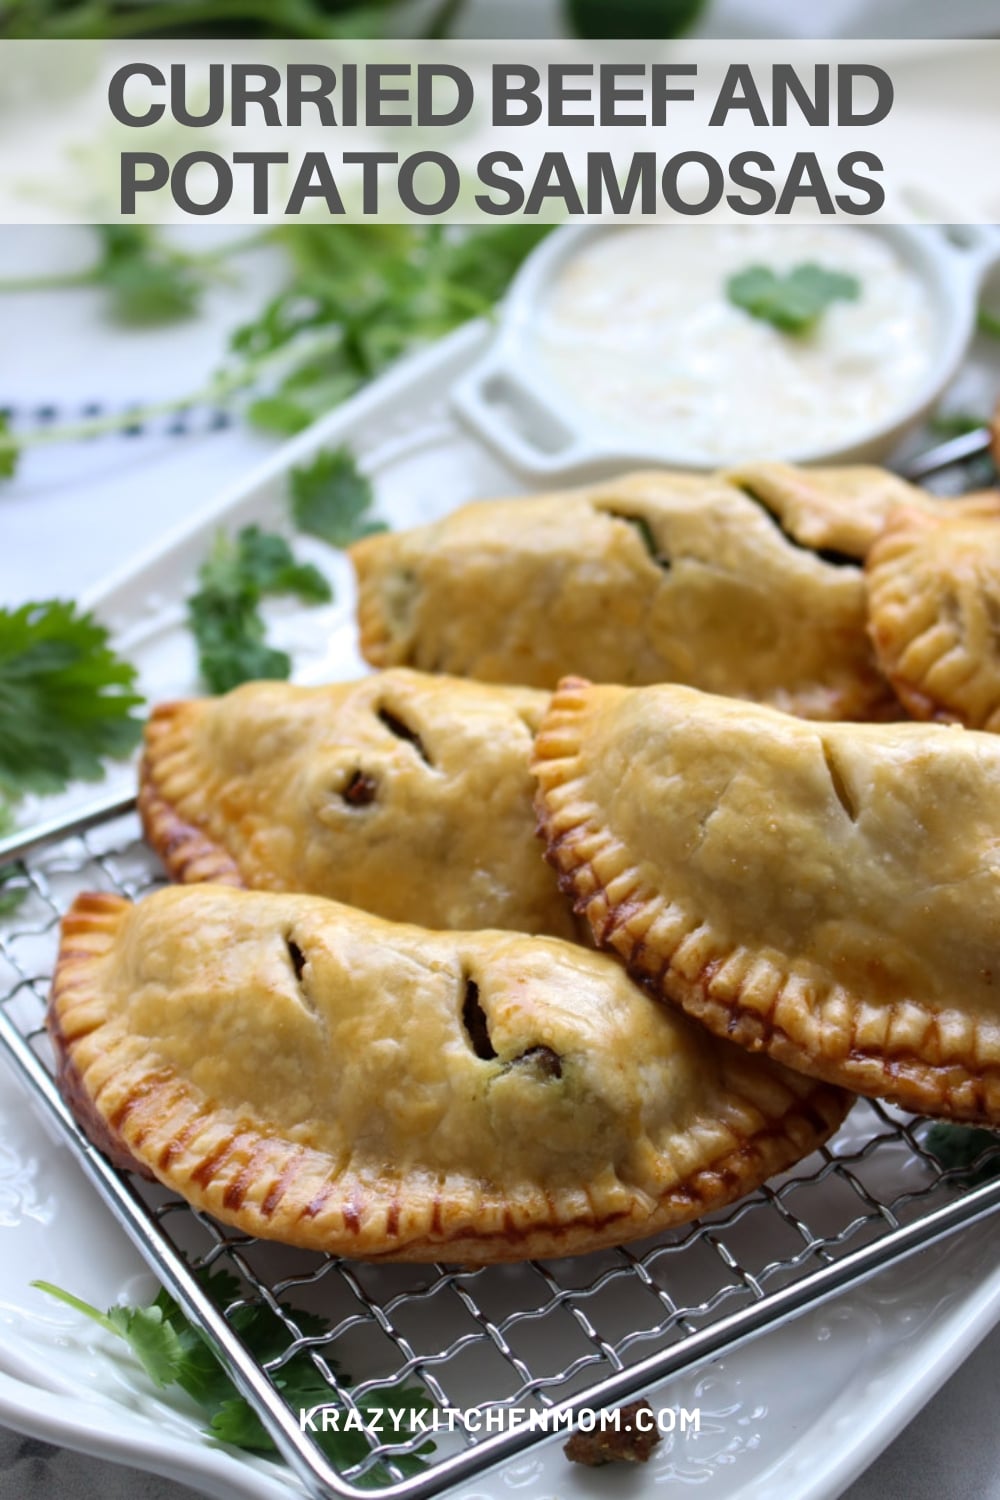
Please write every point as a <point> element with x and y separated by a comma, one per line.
<point>794,302</point>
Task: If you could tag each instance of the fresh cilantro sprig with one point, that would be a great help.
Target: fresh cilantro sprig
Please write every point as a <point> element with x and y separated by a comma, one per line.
<point>794,302</point>
<point>377,290</point>
<point>356,298</point>
<point>224,611</point>
<point>146,279</point>
<point>66,699</point>
<point>331,499</point>
<point>83,19</point>
<point>959,1147</point>
<point>989,323</point>
<point>146,1330</point>
<point>80,20</point>
<point>66,702</point>
<point>172,1351</point>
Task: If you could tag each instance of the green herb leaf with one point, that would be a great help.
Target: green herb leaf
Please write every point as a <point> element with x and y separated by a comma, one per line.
<point>10,900</point>
<point>147,282</point>
<point>794,302</point>
<point>380,289</point>
<point>281,414</point>
<point>149,1335</point>
<point>152,1340</point>
<point>989,323</point>
<point>331,499</point>
<point>65,698</point>
<point>236,1422</point>
<point>224,612</point>
<point>959,1147</point>
<point>633,18</point>
<point>356,298</point>
<point>953,424</point>
<point>266,561</point>
<point>11,896</point>
<point>8,449</point>
<point>85,19</point>
<point>173,1351</point>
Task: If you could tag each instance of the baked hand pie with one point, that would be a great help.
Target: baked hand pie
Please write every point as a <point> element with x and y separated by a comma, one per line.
<point>657,577</point>
<point>404,794</point>
<point>827,894</point>
<point>315,1075</point>
<point>934,611</point>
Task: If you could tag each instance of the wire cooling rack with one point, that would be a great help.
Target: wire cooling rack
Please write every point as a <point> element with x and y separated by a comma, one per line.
<point>539,1338</point>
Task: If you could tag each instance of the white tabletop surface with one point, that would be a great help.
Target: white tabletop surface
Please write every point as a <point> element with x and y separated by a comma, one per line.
<point>72,515</point>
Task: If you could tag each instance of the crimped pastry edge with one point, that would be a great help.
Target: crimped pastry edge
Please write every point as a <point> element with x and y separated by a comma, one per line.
<point>218,1181</point>
<point>622,911</point>
<point>187,852</point>
<point>890,600</point>
<point>375,639</point>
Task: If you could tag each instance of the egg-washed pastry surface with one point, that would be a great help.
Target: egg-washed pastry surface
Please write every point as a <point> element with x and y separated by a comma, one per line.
<point>407,795</point>
<point>839,512</point>
<point>318,1076</point>
<point>934,611</point>
<point>829,894</point>
<point>656,577</point>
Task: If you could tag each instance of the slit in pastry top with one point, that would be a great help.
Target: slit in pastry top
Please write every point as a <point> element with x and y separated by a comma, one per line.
<point>316,1075</point>
<point>747,584</point>
<point>826,893</point>
<point>404,794</point>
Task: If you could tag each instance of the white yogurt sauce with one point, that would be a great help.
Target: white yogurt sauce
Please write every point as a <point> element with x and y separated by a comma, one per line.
<point>638,330</point>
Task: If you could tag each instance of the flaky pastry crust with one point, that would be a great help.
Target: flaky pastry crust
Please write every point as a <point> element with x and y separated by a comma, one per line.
<point>404,794</point>
<point>826,894</point>
<point>314,1075</point>
<point>837,512</point>
<point>656,577</point>
<point>934,611</point>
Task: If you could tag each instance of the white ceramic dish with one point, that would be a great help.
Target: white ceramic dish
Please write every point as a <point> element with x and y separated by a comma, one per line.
<point>873,1356</point>
<point>511,401</point>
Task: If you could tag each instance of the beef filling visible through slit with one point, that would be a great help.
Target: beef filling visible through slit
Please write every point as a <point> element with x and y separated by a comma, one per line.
<point>474,1021</point>
<point>828,555</point>
<point>361,790</point>
<point>403,732</point>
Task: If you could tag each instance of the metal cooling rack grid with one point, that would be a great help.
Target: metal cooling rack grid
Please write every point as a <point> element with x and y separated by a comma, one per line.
<point>549,1336</point>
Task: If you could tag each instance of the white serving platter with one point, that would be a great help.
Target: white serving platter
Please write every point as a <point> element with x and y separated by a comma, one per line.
<point>794,1415</point>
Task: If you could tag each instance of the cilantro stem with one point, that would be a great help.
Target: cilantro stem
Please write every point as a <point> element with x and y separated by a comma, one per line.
<point>236,246</point>
<point>284,18</point>
<point>216,392</point>
<point>54,282</point>
<point>79,1305</point>
<point>92,275</point>
<point>444,18</point>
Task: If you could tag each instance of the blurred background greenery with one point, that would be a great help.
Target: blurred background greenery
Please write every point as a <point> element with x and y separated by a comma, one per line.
<point>79,20</point>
